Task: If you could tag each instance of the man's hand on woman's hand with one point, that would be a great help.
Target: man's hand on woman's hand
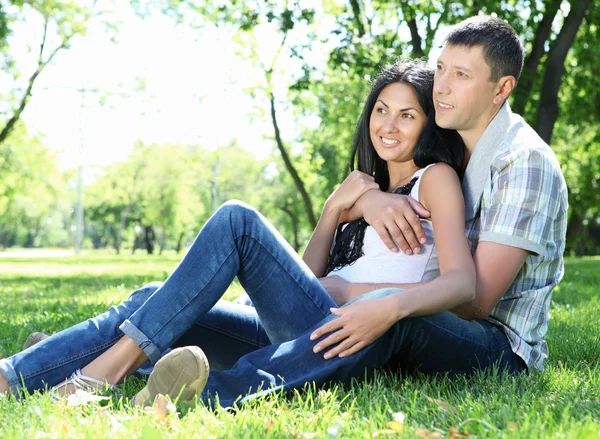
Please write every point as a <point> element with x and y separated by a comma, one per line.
<point>351,189</point>
<point>395,218</point>
<point>358,325</point>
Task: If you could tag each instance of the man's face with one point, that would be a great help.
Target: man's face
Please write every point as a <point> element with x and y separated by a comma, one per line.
<point>463,93</point>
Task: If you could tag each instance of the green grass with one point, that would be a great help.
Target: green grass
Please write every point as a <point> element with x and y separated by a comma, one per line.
<point>563,401</point>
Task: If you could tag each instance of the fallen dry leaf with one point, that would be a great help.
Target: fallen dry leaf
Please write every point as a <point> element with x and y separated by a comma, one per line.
<point>513,426</point>
<point>443,405</point>
<point>384,433</point>
<point>269,425</point>
<point>161,409</point>
<point>426,434</point>
<point>396,426</point>
<point>453,433</point>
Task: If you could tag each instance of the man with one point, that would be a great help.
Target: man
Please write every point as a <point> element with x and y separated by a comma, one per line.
<point>516,207</point>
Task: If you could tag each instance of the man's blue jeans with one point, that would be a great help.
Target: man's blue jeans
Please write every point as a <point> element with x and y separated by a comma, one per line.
<point>253,350</point>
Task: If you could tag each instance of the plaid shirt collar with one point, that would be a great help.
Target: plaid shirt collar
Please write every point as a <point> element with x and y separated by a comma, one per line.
<point>478,168</point>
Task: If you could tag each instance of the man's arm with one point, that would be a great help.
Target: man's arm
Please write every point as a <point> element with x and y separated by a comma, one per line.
<point>497,266</point>
<point>394,217</point>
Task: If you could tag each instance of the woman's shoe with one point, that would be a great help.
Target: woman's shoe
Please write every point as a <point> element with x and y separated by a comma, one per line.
<point>34,338</point>
<point>181,374</point>
<point>80,382</point>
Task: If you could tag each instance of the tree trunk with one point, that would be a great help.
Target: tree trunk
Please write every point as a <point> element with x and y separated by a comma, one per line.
<point>530,67</point>
<point>290,167</point>
<point>296,243</point>
<point>555,66</point>
<point>121,227</point>
<point>162,242</point>
<point>357,17</point>
<point>149,238</point>
<point>574,231</point>
<point>179,242</point>
<point>411,20</point>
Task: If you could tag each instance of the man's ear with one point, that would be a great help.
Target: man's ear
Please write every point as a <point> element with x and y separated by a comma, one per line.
<point>506,85</point>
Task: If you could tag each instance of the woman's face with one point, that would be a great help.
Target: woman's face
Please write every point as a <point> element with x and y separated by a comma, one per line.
<point>396,123</point>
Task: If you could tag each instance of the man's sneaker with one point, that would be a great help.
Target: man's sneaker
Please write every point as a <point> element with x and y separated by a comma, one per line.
<point>182,374</point>
<point>34,338</point>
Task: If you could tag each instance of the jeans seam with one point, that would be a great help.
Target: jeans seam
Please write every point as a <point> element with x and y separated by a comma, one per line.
<point>231,334</point>
<point>71,358</point>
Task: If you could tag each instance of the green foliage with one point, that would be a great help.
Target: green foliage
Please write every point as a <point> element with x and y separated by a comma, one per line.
<point>563,401</point>
<point>31,188</point>
<point>332,49</point>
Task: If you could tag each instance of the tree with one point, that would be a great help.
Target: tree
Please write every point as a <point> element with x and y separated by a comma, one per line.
<point>65,19</point>
<point>337,47</point>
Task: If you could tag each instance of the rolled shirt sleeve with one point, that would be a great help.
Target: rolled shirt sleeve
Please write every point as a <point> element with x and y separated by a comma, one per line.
<point>523,200</point>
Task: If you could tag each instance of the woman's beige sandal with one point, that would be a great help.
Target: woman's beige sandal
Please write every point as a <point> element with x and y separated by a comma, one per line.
<point>81,382</point>
<point>181,375</point>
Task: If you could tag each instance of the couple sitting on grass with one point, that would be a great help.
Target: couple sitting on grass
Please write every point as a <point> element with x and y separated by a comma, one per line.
<point>462,287</point>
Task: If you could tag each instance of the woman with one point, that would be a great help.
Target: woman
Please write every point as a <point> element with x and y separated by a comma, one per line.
<point>397,146</point>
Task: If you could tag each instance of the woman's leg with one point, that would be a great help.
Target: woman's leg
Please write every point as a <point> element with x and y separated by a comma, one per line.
<point>236,241</point>
<point>57,357</point>
<point>226,333</point>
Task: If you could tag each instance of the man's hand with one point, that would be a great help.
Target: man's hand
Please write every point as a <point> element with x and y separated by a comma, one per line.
<point>395,218</point>
<point>358,325</point>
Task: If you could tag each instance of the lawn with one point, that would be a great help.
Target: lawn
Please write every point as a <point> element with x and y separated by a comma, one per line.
<point>49,294</point>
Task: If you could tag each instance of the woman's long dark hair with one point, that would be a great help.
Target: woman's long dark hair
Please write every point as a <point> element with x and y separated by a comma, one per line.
<point>434,145</point>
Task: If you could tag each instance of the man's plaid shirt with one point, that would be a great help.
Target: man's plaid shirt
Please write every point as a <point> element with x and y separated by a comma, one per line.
<point>515,194</point>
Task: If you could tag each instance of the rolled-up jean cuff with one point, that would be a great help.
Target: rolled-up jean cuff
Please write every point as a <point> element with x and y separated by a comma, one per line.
<point>145,344</point>
<point>16,387</point>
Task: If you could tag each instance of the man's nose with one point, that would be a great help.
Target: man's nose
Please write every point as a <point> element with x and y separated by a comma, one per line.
<point>440,83</point>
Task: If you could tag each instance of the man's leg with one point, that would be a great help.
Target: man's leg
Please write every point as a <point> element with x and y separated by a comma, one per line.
<point>225,334</point>
<point>441,343</point>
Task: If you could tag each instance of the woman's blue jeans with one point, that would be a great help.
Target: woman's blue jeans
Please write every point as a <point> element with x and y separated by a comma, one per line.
<point>253,349</point>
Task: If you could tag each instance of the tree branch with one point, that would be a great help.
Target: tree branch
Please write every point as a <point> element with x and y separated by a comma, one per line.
<point>555,66</point>
<point>357,17</point>
<point>290,166</point>
<point>40,67</point>
<point>523,91</point>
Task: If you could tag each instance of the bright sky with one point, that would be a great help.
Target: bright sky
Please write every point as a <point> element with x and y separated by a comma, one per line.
<point>194,89</point>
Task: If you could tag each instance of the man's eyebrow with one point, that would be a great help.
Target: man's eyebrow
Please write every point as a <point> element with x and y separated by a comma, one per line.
<point>463,68</point>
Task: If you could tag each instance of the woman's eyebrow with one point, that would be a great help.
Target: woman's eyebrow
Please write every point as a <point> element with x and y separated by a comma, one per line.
<point>402,109</point>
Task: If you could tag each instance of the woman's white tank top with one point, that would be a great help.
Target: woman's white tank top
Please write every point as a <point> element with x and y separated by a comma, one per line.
<point>380,265</point>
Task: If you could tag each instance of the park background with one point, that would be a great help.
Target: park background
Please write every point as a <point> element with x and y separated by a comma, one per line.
<point>154,112</point>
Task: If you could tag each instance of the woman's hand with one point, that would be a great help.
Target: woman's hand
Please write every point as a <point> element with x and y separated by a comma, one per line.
<point>355,184</point>
<point>357,326</point>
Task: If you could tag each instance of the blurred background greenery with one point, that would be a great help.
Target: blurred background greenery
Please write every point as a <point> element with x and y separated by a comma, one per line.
<point>307,95</point>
